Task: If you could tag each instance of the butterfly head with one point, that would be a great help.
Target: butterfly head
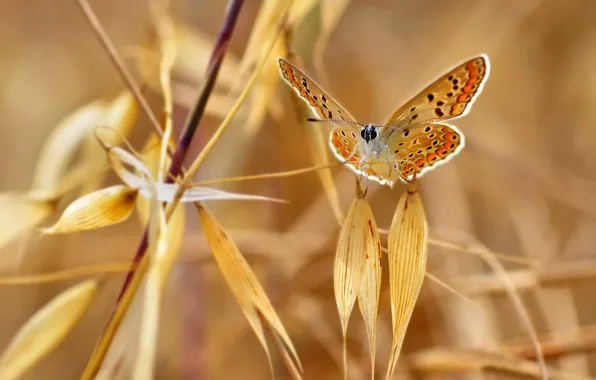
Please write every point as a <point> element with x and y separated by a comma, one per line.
<point>369,132</point>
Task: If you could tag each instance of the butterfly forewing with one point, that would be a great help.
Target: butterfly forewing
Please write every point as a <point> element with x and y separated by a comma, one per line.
<point>448,97</point>
<point>423,147</point>
<point>321,103</point>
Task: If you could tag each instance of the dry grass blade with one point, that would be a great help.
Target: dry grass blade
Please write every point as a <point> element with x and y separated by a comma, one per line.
<point>62,144</point>
<point>453,360</point>
<point>270,13</point>
<point>165,31</point>
<point>119,116</point>
<point>408,247</point>
<point>244,284</point>
<point>370,286</point>
<point>99,209</point>
<point>21,213</point>
<point>194,49</point>
<point>168,192</point>
<point>46,329</point>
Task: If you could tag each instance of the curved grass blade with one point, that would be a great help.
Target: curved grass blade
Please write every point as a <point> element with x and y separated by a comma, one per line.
<point>46,329</point>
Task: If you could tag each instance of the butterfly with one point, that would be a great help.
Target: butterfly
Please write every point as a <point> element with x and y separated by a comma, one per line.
<point>414,140</point>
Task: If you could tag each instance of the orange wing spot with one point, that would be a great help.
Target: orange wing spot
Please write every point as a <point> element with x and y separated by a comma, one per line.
<point>372,172</point>
<point>344,153</point>
<point>441,152</point>
<point>450,137</point>
<point>449,145</point>
<point>353,160</point>
<point>463,98</point>
<point>473,80</point>
<point>471,67</point>
<point>468,89</point>
<point>431,157</point>
<point>457,109</point>
<point>337,144</point>
<point>446,130</point>
<point>420,163</point>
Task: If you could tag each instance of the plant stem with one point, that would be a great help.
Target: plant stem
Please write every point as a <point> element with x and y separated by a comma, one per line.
<point>140,262</point>
<point>117,61</point>
<point>192,122</point>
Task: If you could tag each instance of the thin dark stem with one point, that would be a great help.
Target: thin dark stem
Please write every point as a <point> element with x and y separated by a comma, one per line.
<point>117,61</point>
<point>193,119</point>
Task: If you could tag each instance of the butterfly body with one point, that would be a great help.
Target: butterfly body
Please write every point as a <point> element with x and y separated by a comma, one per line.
<point>414,140</point>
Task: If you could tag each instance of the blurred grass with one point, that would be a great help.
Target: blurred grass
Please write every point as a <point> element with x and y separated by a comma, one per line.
<point>523,185</point>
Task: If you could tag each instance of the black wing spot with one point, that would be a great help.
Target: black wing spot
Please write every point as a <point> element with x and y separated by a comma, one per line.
<point>406,132</point>
<point>415,141</point>
<point>455,81</point>
<point>429,147</point>
<point>330,114</point>
<point>430,97</point>
<point>427,129</point>
<point>412,109</point>
<point>431,136</point>
<point>439,112</point>
<point>450,77</point>
<point>455,88</point>
<point>411,155</point>
<point>401,143</point>
<point>435,142</point>
<point>396,151</point>
<point>304,83</point>
<point>324,105</point>
<point>449,94</point>
<point>353,135</point>
<point>419,151</point>
<point>415,116</point>
<point>343,133</point>
<point>308,91</point>
<point>440,103</point>
<point>315,97</point>
<point>323,98</point>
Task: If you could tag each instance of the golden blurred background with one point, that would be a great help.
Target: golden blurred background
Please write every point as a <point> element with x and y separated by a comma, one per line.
<point>525,185</point>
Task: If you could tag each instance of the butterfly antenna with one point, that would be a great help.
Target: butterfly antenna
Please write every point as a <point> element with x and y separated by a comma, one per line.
<point>334,121</point>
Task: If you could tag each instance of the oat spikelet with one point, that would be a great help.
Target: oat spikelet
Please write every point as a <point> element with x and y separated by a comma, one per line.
<point>101,208</point>
<point>46,330</point>
<point>356,271</point>
<point>246,287</point>
<point>407,248</point>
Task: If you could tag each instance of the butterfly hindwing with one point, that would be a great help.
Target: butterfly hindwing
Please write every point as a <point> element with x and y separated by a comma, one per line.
<point>421,148</point>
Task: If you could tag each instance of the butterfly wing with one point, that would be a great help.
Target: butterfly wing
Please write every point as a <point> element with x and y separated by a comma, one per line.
<point>449,97</point>
<point>320,102</point>
<point>423,147</point>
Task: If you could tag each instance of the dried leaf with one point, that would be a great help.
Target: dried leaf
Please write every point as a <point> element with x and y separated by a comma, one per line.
<point>243,283</point>
<point>46,329</point>
<point>407,249</point>
<point>370,286</point>
<point>99,209</point>
<point>21,213</point>
<point>167,191</point>
<point>62,144</point>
